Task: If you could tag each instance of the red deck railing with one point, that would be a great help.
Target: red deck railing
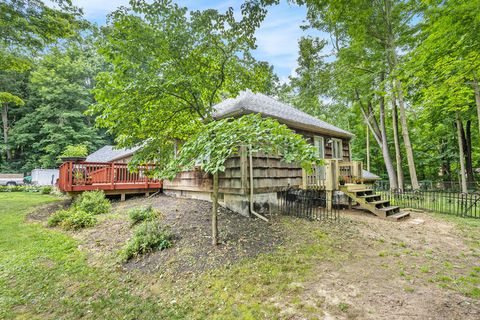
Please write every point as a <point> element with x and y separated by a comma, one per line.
<point>83,176</point>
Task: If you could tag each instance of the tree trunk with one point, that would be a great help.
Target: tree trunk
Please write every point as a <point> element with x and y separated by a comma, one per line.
<point>377,134</point>
<point>386,155</point>
<point>406,137</point>
<point>215,210</point>
<point>463,180</point>
<point>5,131</point>
<point>467,150</point>
<point>392,60</point>
<point>368,149</point>
<point>396,140</point>
<point>477,98</point>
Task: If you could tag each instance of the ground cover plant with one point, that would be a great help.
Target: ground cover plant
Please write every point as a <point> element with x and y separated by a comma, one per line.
<point>137,215</point>
<point>82,212</point>
<point>149,236</point>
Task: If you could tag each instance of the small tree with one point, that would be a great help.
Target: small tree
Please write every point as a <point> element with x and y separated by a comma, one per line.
<point>221,139</point>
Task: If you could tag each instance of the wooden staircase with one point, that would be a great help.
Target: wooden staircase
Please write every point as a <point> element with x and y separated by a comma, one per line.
<point>372,202</point>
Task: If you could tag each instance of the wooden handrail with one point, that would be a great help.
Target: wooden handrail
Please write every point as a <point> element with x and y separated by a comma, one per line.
<point>106,176</point>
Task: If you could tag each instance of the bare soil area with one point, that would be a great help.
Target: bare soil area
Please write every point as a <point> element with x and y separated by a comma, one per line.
<point>415,269</point>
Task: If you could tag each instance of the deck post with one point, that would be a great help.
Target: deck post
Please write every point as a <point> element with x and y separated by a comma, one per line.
<point>70,176</point>
<point>112,178</point>
<point>243,169</point>
<point>122,197</point>
<point>329,200</point>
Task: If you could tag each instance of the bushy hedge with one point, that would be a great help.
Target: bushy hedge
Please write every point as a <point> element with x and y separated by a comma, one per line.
<point>29,188</point>
<point>149,236</point>
<point>93,202</point>
<point>142,214</point>
<point>82,213</point>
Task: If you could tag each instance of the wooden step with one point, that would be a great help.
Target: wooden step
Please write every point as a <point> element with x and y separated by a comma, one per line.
<point>367,196</point>
<point>390,210</point>
<point>375,203</point>
<point>361,190</point>
<point>399,216</point>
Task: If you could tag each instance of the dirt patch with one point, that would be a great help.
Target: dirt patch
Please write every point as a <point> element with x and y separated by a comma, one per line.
<point>41,213</point>
<point>190,222</point>
<point>393,271</point>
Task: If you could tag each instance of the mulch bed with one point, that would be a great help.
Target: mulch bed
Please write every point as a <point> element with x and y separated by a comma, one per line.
<point>190,222</point>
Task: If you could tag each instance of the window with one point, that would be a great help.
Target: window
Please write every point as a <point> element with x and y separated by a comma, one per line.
<point>319,144</point>
<point>337,149</point>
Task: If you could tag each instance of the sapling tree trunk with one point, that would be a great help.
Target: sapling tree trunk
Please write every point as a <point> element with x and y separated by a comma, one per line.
<point>396,140</point>
<point>467,150</point>
<point>368,148</point>
<point>463,178</point>
<point>215,209</point>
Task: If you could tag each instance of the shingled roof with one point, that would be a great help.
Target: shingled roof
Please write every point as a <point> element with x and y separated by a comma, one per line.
<point>249,102</point>
<point>109,153</point>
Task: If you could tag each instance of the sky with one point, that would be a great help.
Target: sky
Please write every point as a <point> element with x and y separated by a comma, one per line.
<point>277,38</point>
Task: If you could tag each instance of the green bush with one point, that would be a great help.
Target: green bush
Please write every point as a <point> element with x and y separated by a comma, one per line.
<point>27,188</point>
<point>46,189</point>
<point>142,214</point>
<point>148,237</point>
<point>93,202</point>
<point>56,218</point>
<point>78,150</point>
<point>78,219</point>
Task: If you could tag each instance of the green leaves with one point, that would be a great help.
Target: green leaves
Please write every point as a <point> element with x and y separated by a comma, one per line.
<point>170,66</point>
<point>221,139</point>
<point>6,97</point>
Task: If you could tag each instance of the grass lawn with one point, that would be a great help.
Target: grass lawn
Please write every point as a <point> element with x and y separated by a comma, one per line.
<point>43,275</point>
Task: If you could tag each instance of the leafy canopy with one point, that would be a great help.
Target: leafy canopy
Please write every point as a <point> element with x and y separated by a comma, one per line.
<point>169,67</point>
<point>222,139</point>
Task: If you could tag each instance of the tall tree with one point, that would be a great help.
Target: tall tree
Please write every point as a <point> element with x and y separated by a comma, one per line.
<point>169,67</point>
<point>26,28</point>
<point>60,87</point>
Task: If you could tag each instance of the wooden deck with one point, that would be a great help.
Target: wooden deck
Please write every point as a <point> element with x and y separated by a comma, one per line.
<point>113,178</point>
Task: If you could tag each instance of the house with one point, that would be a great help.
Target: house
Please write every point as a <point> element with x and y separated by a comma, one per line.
<point>108,153</point>
<point>270,175</point>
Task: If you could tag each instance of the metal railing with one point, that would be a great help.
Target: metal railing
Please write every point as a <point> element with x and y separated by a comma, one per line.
<point>311,204</point>
<point>454,203</point>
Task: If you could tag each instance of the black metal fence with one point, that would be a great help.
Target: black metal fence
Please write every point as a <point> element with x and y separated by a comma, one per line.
<point>430,185</point>
<point>312,204</point>
<point>459,204</point>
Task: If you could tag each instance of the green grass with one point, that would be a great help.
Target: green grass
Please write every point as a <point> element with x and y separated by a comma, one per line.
<point>44,276</point>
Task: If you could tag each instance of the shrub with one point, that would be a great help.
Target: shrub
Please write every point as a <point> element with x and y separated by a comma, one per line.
<point>93,202</point>
<point>78,150</point>
<point>142,214</point>
<point>149,236</point>
<point>78,219</point>
<point>46,189</point>
<point>56,218</point>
